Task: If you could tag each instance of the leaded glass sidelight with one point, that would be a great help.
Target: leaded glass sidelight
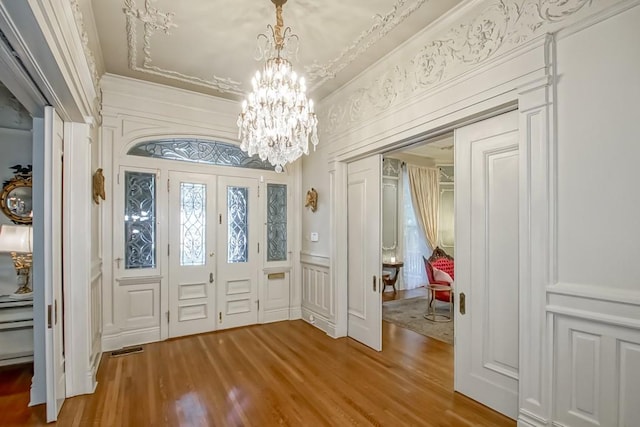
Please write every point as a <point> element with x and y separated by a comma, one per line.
<point>238,224</point>
<point>276,222</point>
<point>140,220</point>
<point>193,209</point>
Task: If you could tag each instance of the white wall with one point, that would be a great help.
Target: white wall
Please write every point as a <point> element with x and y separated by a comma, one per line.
<point>598,154</point>
<point>596,295</point>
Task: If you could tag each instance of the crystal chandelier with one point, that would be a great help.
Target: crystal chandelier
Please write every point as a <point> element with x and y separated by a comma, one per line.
<point>277,121</point>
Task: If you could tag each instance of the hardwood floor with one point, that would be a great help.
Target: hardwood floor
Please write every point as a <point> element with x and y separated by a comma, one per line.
<point>286,373</point>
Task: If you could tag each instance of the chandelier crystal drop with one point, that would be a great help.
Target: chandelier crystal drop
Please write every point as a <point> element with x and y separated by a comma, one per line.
<point>277,121</point>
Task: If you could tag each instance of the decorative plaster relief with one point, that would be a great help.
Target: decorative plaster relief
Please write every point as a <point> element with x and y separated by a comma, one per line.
<point>501,25</point>
<point>88,53</point>
<point>380,26</point>
<point>154,20</point>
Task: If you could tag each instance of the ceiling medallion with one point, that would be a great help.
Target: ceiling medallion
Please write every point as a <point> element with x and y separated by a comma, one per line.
<point>277,121</point>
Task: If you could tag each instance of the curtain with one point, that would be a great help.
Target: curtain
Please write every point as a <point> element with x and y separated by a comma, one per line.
<point>426,200</point>
<point>414,244</point>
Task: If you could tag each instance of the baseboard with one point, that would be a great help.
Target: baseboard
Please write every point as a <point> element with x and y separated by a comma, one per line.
<point>128,338</point>
<point>319,322</point>
<point>295,313</point>
<point>526,419</point>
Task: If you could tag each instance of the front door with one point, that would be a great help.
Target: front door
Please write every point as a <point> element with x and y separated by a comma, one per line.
<point>364,203</point>
<point>238,252</point>
<point>486,215</point>
<point>192,253</point>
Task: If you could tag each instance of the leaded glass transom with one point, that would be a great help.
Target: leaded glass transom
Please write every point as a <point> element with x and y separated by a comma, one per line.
<point>193,209</point>
<point>199,151</point>
<point>276,222</point>
<point>238,224</point>
<point>140,220</point>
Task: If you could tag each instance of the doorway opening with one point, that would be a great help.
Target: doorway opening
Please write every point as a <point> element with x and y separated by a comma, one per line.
<point>483,301</point>
<point>407,299</point>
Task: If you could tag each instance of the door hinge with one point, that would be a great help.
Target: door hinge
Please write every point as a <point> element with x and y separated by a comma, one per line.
<point>220,317</point>
<point>258,247</point>
<point>168,249</point>
<point>220,219</point>
<point>49,315</point>
<point>167,317</point>
<point>258,191</point>
<point>168,185</point>
<point>258,305</point>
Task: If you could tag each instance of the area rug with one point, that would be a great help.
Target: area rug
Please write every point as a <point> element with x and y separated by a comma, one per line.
<point>409,313</point>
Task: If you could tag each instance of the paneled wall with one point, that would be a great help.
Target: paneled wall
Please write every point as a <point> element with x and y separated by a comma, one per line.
<point>594,297</point>
<point>318,299</point>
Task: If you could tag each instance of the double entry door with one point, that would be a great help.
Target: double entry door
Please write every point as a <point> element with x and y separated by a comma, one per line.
<point>213,252</point>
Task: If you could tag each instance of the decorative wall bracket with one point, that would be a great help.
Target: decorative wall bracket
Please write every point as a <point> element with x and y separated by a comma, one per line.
<point>311,201</point>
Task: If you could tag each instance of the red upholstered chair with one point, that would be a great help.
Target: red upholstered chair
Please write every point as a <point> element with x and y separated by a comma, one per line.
<point>442,261</point>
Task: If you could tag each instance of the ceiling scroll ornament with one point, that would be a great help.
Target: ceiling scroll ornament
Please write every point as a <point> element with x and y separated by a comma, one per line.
<point>88,53</point>
<point>154,20</point>
<point>380,27</point>
<point>500,26</point>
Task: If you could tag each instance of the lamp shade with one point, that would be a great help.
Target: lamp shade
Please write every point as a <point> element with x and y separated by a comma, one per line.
<point>16,238</point>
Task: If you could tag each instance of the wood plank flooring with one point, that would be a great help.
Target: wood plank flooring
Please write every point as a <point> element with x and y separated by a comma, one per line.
<point>279,374</point>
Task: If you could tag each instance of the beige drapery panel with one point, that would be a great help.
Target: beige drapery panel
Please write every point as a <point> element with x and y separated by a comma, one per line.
<point>425,196</point>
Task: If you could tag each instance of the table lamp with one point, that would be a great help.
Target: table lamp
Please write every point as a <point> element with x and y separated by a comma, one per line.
<point>18,241</point>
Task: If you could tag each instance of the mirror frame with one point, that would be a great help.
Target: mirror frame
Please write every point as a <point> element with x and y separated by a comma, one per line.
<point>16,182</point>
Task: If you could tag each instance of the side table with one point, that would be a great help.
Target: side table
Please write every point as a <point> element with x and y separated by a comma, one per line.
<point>387,280</point>
<point>431,308</point>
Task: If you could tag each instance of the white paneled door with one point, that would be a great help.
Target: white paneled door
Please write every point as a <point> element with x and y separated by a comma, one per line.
<point>238,252</point>
<point>364,198</point>
<point>54,340</point>
<point>192,253</point>
<point>486,319</point>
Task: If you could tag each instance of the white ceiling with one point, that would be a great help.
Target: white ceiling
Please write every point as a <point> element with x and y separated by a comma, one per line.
<point>208,46</point>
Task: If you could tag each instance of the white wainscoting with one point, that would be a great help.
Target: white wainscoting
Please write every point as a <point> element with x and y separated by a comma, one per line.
<point>597,356</point>
<point>139,313</point>
<point>318,302</point>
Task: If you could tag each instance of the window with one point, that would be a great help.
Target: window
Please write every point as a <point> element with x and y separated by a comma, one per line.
<point>140,220</point>
<point>276,222</point>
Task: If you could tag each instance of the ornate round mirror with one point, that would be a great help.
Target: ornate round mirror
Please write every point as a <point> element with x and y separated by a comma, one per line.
<point>16,202</point>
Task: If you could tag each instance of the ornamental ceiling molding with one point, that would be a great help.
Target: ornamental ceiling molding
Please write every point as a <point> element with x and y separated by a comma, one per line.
<point>154,20</point>
<point>88,53</point>
<point>380,27</point>
<point>502,25</point>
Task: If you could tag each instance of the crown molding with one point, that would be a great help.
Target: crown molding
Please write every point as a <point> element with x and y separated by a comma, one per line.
<point>155,20</point>
<point>380,26</point>
<point>452,48</point>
